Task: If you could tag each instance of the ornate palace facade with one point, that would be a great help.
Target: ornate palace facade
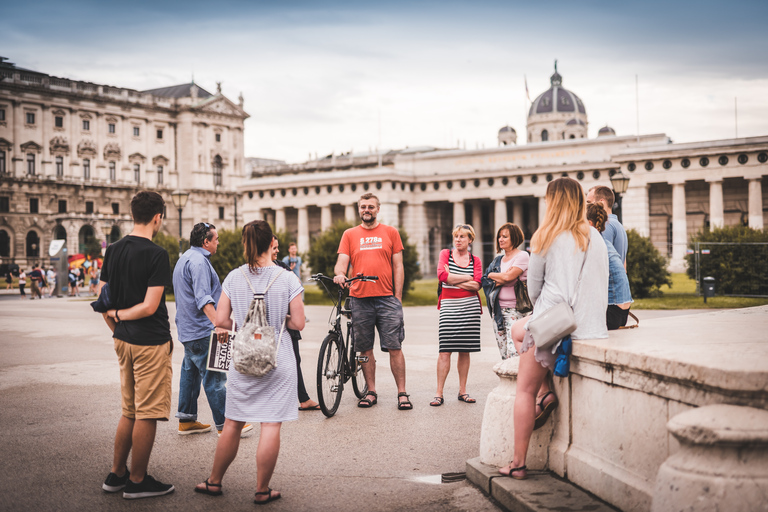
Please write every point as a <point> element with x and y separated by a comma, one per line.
<point>674,189</point>
<point>73,154</point>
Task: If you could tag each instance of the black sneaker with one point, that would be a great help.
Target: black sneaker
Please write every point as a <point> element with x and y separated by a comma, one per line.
<point>114,483</point>
<point>148,488</point>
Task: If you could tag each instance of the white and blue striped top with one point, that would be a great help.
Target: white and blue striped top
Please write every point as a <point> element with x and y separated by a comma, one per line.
<point>273,397</point>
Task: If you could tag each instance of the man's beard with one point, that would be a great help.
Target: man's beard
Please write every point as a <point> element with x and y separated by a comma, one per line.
<point>372,219</point>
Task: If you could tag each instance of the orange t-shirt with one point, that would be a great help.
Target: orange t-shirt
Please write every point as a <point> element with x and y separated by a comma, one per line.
<point>370,252</point>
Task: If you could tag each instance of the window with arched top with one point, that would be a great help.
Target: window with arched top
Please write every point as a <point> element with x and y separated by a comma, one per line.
<point>544,135</point>
<point>114,234</point>
<point>217,171</point>
<point>59,233</point>
<point>86,239</point>
<point>5,244</point>
<point>33,244</point>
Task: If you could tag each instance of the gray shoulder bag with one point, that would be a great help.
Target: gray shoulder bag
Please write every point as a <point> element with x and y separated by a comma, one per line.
<point>558,321</point>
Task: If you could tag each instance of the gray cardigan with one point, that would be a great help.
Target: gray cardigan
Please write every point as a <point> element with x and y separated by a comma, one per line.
<point>552,279</point>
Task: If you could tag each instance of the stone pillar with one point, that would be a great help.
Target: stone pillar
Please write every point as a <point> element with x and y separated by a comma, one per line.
<point>497,434</point>
<point>716,219</point>
<point>679,228</point>
<point>722,463</point>
<point>477,224</point>
<point>415,224</point>
<point>517,213</point>
<point>17,157</point>
<point>350,213</point>
<point>459,213</point>
<point>45,154</point>
<point>280,219</point>
<point>303,227</point>
<point>542,210</point>
<point>325,217</point>
<point>389,214</point>
<point>635,208</point>
<point>756,203</point>
<point>500,216</point>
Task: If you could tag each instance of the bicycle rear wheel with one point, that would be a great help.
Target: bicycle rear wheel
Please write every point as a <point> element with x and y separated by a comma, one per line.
<point>358,380</point>
<point>329,378</point>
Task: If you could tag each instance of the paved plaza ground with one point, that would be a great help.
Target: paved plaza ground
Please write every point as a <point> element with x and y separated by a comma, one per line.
<point>60,403</point>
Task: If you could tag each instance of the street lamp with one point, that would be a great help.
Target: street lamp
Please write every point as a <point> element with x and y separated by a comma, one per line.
<point>179,201</point>
<point>620,183</point>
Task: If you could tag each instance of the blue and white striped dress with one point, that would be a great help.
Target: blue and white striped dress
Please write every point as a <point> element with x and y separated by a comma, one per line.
<point>460,318</point>
<point>274,397</point>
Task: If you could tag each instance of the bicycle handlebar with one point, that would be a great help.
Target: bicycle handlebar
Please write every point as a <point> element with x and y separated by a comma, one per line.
<point>318,277</point>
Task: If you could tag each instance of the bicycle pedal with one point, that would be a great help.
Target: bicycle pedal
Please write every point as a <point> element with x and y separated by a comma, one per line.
<point>362,359</point>
<point>334,389</point>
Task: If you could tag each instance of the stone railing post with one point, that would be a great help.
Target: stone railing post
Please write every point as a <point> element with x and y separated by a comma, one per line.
<point>722,463</point>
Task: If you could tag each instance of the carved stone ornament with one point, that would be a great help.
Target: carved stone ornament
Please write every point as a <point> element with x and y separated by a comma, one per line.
<point>5,145</point>
<point>137,158</point>
<point>59,146</point>
<point>159,160</point>
<point>87,148</point>
<point>223,154</point>
<point>220,107</point>
<point>31,146</point>
<point>86,115</point>
<point>111,119</point>
<point>112,151</point>
<point>59,112</point>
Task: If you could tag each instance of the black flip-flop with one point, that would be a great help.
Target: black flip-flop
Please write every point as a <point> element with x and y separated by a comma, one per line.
<point>208,490</point>
<point>270,498</point>
<point>546,410</point>
<point>312,408</point>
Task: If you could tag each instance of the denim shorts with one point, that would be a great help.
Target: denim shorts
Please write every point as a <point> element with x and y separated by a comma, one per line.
<point>384,314</point>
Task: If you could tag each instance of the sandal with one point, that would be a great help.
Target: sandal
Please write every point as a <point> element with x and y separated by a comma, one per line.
<point>366,402</point>
<point>546,410</point>
<point>466,398</point>
<point>271,497</point>
<point>405,405</point>
<point>437,402</point>
<point>524,469</point>
<point>208,490</point>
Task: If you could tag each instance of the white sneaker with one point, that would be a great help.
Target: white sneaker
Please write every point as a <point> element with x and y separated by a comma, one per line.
<point>246,428</point>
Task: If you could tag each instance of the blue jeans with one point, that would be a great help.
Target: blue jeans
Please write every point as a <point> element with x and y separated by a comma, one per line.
<point>193,373</point>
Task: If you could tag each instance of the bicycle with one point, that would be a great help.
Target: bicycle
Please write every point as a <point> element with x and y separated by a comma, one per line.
<point>337,361</point>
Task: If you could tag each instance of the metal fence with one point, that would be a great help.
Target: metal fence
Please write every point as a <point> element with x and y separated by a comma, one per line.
<point>702,250</point>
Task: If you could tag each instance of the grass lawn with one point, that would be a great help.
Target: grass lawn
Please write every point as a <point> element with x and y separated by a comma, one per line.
<point>681,295</point>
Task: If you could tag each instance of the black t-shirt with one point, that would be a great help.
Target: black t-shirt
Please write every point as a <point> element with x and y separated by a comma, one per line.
<point>131,265</point>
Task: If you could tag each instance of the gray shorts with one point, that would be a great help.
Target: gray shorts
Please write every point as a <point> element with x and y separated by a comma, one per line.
<point>382,313</point>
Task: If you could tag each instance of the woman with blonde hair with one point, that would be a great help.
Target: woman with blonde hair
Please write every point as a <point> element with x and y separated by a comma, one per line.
<point>271,398</point>
<point>562,247</point>
<point>459,273</point>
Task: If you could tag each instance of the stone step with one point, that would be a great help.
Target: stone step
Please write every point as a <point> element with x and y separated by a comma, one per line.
<point>540,492</point>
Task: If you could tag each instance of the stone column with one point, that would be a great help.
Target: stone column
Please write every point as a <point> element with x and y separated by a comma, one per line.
<point>389,214</point>
<point>635,209</point>
<point>542,210</point>
<point>500,216</point>
<point>45,153</point>
<point>756,203</point>
<point>325,217</point>
<point>716,219</point>
<point>517,212</point>
<point>350,213</point>
<point>459,213</point>
<point>280,219</point>
<point>477,223</point>
<point>415,224</point>
<point>679,228</point>
<point>303,225</point>
<point>17,157</point>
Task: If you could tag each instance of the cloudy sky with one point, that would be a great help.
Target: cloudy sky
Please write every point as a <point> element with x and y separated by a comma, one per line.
<point>322,77</point>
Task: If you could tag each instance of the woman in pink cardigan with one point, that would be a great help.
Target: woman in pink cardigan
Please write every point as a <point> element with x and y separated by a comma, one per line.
<point>460,308</point>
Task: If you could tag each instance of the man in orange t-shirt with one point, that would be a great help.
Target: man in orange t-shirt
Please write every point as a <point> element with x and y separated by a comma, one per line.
<point>375,249</point>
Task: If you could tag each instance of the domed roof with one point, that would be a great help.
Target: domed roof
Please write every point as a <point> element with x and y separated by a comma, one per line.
<point>556,99</point>
<point>606,130</point>
<point>507,129</point>
<point>575,121</point>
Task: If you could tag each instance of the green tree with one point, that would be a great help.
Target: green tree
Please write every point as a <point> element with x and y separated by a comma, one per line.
<point>229,254</point>
<point>171,244</point>
<point>646,267</point>
<point>737,269</point>
<point>92,247</point>
<point>284,239</point>
<point>322,256</point>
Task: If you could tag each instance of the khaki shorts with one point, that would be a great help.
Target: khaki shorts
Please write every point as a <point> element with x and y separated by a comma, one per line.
<point>145,380</point>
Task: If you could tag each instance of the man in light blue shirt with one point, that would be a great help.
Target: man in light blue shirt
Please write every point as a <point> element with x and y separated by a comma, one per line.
<point>293,260</point>
<point>614,231</point>
<point>197,289</point>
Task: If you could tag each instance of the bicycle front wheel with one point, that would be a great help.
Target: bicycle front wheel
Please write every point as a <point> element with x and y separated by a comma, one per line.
<point>329,378</point>
<point>358,380</point>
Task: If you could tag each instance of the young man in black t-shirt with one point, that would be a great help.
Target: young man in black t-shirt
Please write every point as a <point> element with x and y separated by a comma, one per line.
<point>138,271</point>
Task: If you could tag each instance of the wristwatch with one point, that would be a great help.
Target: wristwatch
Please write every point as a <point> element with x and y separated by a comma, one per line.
<point>117,317</point>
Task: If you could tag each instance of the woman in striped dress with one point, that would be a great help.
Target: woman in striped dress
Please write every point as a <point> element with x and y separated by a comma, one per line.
<point>459,273</point>
<point>271,398</point>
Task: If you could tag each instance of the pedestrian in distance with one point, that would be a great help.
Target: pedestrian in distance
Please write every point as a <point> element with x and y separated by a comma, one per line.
<point>270,399</point>
<point>461,311</point>
<point>22,284</point>
<point>197,290</point>
<point>305,402</point>
<point>375,249</point>
<point>293,260</point>
<point>563,248</point>
<point>137,272</point>
<point>8,280</point>
<point>51,278</point>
